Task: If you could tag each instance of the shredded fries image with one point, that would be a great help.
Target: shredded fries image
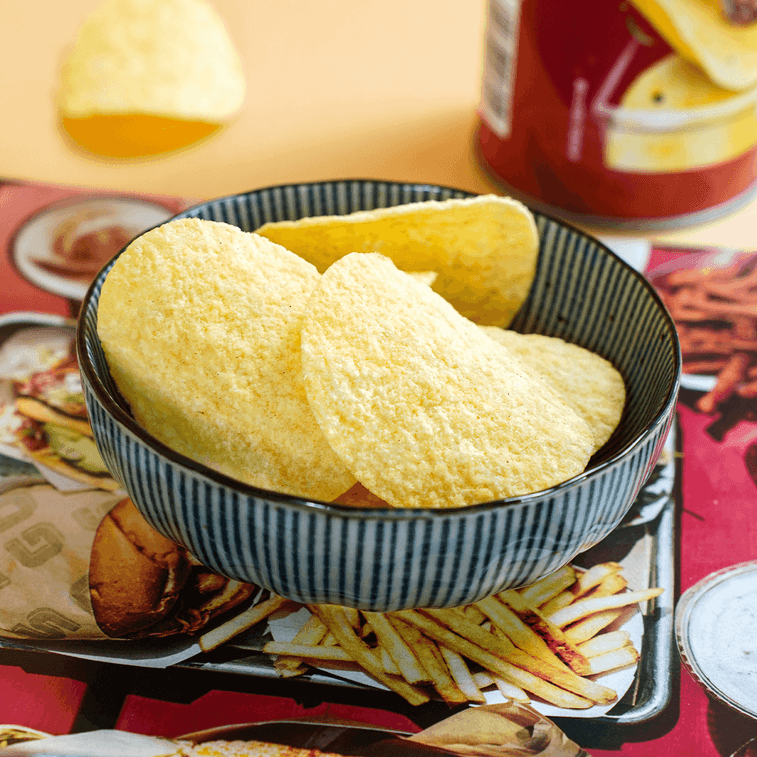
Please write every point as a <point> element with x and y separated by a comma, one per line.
<point>715,310</point>
<point>546,641</point>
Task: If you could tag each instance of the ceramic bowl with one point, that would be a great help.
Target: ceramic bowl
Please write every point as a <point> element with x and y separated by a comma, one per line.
<point>387,559</point>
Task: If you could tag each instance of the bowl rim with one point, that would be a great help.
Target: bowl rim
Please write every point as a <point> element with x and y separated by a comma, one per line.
<point>133,429</point>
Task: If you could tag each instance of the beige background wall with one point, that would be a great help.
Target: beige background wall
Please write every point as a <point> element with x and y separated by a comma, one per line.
<point>335,88</point>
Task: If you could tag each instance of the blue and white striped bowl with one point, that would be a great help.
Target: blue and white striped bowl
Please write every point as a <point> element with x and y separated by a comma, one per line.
<point>384,559</point>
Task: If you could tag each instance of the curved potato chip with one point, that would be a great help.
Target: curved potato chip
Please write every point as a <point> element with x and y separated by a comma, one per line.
<point>149,76</point>
<point>484,248</point>
<point>422,406</point>
<point>587,382</point>
<point>666,92</point>
<point>200,324</point>
<point>699,31</point>
<point>424,277</point>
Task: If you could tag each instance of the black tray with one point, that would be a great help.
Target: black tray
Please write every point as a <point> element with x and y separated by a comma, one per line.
<point>644,543</point>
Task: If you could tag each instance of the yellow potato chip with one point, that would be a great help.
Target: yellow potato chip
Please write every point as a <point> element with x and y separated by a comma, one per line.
<point>422,406</point>
<point>484,249</point>
<point>691,122</point>
<point>587,382</point>
<point>200,325</point>
<point>148,76</point>
<point>424,277</point>
<point>699,31</point>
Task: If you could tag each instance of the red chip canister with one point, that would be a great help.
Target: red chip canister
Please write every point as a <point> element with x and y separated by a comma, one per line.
<point>587,112</point>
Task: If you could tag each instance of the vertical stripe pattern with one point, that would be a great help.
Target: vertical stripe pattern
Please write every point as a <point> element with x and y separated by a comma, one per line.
<point>391,559</point>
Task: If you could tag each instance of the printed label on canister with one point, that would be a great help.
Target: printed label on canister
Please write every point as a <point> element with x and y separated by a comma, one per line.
<point>589,107</point>
<point>499,72</point>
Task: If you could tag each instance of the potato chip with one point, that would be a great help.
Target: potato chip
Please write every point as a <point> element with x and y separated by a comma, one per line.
<point>200,324</point>
<point>675,91</point>
<point>424,277</point>
<point>422,406</point>
<point>483,249</point>
<point>148,76</point>
<point>587,382</point>
<point>699,31</point>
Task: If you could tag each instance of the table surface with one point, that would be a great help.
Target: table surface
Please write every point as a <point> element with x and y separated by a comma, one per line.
<point>335,89</point>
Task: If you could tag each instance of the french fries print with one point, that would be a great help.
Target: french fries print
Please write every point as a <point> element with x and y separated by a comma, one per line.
<point>715,310</point>
<point>550,641</point>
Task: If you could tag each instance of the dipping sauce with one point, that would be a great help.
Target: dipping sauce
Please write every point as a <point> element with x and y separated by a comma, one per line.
<point>715,622</point>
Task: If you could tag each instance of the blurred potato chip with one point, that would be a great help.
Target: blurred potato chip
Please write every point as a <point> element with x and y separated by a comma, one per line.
<point>149,75</point>
<point>700,31</point>
<point>484,249</point>
<point>587,382</point>
<point>200,324</point>
<point>421,405</point>
<point>673,85</point>
<point>424,277</point>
